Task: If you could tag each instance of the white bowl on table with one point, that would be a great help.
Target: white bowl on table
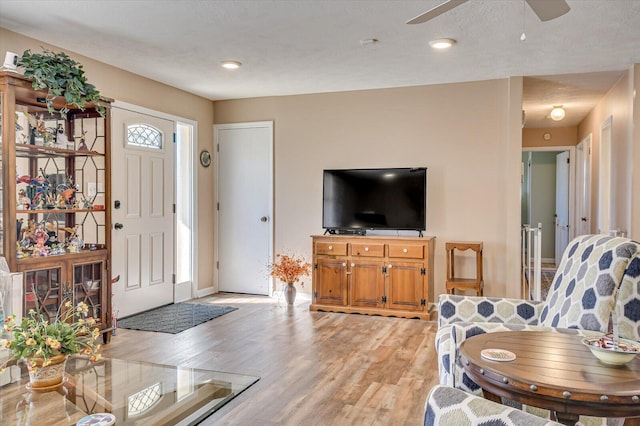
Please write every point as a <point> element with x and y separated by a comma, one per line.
<point>620,355</point>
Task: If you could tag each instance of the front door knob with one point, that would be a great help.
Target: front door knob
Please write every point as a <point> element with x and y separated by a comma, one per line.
<point>119,226</point>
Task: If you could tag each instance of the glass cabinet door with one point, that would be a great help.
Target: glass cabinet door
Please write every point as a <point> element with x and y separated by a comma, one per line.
<point>44,292</point>
<point>87,287</point>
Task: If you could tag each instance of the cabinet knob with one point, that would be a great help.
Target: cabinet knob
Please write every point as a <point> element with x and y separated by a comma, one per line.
<point>390,266</point>
<point>330,247</point>
<point>353,264</point>
<point>344,263</point>
<point>366,249</point>
<point>405,250</point>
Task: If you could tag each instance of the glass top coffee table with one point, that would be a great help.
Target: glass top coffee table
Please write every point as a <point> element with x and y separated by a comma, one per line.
<point>136,393</point>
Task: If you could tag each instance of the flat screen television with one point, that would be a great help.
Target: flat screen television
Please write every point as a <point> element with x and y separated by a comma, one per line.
<point>355,200</point>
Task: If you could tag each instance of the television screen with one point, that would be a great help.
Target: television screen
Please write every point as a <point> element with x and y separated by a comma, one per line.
<point>392,199</point>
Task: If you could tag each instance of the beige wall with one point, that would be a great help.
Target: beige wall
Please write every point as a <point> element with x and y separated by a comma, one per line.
<point>635,164</point>
<point>464,133</point>
<point>127,87</point>
<point>617,104</point>
<point>560,136</point>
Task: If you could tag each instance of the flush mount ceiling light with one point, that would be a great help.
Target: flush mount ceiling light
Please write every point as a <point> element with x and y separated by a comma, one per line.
<point>557,113</point>
<point>442,43</point>
<point>231,65</point>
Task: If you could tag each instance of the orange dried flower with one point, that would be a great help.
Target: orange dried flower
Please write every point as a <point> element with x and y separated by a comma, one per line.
<point>290,268</point>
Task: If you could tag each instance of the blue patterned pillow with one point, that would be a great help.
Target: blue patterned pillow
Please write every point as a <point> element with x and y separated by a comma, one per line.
<point>584,289</point>
<point>628,300</point>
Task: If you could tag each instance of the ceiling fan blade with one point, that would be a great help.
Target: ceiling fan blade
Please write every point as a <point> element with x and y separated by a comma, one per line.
<point>436,11</point>
<point>549,9</point>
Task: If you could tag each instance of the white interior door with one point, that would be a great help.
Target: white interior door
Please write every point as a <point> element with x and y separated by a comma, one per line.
<point>562,204</point>
<point>583,187</point>
<point>245,206</point>
<point>143,197</point>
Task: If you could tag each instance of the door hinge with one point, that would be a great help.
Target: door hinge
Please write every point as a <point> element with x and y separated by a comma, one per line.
<point>315,294</point>
<point>174,138</point>
<point>173,278</point>
<point>384,299</point>
<point>217,265</point>
<point>423,302</point>
<point>384,269</point>
<point>217,147</point>
<point>315,266</point>
<point>174,208</point>
<point>568,160</point>
<point>423,271</point>
<point>218,206</point>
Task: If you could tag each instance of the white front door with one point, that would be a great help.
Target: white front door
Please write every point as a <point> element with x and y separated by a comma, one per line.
<point>245,206</point>
<point>562,204</point>
<point>142,211</point>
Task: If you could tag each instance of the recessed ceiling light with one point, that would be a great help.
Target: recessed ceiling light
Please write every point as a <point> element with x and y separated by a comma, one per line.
<point>231,65</point>
<point>557,113</point>
<point>442,43</point>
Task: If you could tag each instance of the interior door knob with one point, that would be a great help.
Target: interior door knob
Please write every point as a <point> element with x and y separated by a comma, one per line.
<point>264,219</point>
<point>119,226</point>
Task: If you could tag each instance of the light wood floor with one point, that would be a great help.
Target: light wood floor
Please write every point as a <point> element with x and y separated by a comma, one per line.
<point>315,368</point>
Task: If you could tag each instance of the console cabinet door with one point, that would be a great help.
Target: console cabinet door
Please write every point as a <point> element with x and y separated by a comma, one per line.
<point>367,284</point>
<point>330,282</point>
<point>406,286</point>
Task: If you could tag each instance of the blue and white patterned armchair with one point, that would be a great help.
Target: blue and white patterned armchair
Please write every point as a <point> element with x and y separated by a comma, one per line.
<point>447,406</point>
<point>597,275</point>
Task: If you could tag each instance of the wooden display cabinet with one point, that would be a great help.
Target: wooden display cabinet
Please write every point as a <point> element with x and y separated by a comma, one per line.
<point>55,222</point>
<point>389,276</point>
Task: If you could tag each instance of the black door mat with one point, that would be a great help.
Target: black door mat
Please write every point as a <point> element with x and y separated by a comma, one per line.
<point>174,318</point>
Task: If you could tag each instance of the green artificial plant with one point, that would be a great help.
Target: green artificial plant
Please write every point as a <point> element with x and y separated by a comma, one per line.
<point>61,76</point>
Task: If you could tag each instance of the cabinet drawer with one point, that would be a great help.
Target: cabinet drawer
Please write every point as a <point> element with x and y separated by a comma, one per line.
<point>406,251</point>
<point>367,250</point>
<point>338,249</point>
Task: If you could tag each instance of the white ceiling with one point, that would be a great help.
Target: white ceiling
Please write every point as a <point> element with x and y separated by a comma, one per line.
<point>310,46</point>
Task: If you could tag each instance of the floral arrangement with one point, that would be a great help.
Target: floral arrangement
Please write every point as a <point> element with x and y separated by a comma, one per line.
<point>35,337</point>
<point>290,268</point>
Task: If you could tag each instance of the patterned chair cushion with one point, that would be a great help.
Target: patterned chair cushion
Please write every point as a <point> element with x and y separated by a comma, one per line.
<point>452,309</point>
<point>448,406</point>
<point>628,301</point>
<point>584,288</point>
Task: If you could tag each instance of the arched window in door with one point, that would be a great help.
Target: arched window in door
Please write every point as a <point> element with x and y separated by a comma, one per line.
<point>145,136</point>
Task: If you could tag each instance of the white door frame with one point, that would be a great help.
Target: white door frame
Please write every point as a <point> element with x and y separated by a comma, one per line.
<point>606,211</point>
<point>572,179</point>
<point>583,185</point>
<point>178,294</point>
<point>216,224</point>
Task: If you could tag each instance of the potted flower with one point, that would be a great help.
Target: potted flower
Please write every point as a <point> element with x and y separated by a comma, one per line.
<point>61,76</point>
<point>46,345</point>
<point>289,269</point>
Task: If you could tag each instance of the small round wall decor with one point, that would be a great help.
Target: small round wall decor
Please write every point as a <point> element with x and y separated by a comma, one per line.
<point>205,158</point>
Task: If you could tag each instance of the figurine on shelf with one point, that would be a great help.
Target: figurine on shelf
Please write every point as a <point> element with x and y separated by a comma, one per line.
<point>74,243</point>
<point>52,231</point>
<point>19,253</point>
<point>82,146</point>
<point>60,204</point>
<point>86,204</point>
<point>23,201</point>
<point>30,230</point>
<point>19,224</point>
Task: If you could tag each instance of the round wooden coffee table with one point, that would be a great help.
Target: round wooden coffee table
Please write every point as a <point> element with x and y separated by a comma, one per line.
<point>553,371</point>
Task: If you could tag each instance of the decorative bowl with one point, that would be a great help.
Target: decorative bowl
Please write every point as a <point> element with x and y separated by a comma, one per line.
<point>605,350</point>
